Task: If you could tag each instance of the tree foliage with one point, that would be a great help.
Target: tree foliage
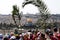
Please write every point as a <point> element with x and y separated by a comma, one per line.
<point>15,13</point>
<point>44,14</point>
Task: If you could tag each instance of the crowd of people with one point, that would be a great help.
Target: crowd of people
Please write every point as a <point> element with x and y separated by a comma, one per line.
<point>33,35</point>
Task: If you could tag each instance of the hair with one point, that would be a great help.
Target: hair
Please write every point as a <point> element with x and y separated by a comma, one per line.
<point>5,39</point>
<point>55,29</point>
<point>42,36</point>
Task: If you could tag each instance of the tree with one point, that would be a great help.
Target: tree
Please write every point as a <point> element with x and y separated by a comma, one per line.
<point>15,13</point>
<point>44,14</point>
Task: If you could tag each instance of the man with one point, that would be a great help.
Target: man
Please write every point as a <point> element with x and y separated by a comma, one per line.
<point>56,34</point>
<point>1,36</point>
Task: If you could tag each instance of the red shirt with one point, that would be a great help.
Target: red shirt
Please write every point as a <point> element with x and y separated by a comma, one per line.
<point>58,36</point>
<point>52,38</point>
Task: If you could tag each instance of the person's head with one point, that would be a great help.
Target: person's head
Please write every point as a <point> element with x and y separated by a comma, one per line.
<point>17,37</point>
<point>47,31</point>
<point>55,29</point>
<point>5,38</point>
<point>19,33</point>
<point>42,37</point>
<point>51,34</point>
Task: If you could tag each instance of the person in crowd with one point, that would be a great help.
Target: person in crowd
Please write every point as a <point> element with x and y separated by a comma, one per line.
<point>20,36</point>
<point>6,38</point>
<point>17,37</point>
<point>35,35</point>
<point>31,36</point>
<point>47,34</point>
<point>1,36</point>
<point>12,37</point>
<point>42,37</point>
<point>38,35</point>
<point>56,34</point>
<point>25,37</point>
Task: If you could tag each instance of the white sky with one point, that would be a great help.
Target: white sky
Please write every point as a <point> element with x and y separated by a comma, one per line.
<point>6,6</point>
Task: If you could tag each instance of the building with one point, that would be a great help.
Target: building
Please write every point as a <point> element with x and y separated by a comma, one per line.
<point>8,18</point>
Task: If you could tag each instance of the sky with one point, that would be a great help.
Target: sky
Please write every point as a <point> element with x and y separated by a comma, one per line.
<point>6,6</point>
